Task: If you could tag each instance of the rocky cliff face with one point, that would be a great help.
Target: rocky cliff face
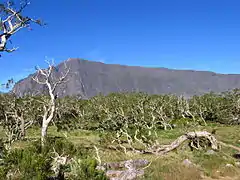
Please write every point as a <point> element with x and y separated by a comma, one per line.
<point>88,78</point>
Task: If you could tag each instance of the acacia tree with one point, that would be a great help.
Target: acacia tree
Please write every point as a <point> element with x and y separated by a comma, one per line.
<point>12,20</point>
<point>51,80</point>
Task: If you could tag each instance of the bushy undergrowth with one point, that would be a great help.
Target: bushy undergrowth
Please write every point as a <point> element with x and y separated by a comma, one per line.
<point>85,169</point>
<point>34,162</point>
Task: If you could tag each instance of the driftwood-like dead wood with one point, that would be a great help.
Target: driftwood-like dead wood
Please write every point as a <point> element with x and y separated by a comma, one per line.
<point>229,145</point>
<point>192,136</point>
<point>197,140</point>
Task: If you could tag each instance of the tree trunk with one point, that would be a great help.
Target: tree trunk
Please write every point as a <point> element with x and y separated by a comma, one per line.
<point>44,132</point>
<point>22,127</point>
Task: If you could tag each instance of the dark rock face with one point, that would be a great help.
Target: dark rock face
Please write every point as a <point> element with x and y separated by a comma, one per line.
<point>88,78</point>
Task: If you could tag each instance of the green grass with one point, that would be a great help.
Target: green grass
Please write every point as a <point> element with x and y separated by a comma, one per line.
<point>168,167</point>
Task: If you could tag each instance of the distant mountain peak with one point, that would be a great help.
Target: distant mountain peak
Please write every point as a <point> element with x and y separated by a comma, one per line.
<point>89,78</point>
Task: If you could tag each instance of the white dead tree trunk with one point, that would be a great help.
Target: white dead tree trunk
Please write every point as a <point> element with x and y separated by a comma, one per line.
<point>11,21</point>
<point>141,144</point>
<point>45,77</point>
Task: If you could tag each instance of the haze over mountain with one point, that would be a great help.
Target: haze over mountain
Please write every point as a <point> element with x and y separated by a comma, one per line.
<point>89,78</point>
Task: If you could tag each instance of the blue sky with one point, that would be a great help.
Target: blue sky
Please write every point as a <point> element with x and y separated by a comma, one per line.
<point>180,34</point>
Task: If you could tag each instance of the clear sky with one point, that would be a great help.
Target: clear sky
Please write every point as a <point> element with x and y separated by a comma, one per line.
<point>180,34</point>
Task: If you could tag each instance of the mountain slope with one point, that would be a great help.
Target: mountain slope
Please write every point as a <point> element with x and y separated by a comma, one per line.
<point>88,78</point>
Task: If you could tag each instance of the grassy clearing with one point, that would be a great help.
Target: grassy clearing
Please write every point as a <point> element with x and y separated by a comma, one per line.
<point>168,167</point>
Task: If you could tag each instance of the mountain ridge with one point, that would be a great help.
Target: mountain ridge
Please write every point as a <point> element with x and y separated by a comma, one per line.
<point>89,78</point>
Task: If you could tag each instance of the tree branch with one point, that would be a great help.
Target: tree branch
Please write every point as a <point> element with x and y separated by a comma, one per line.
<point>13,22</point>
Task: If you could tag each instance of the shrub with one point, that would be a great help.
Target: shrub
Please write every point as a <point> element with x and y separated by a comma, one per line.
<point>26,164</point>
<point>85,169</point>
<point>33,162</point>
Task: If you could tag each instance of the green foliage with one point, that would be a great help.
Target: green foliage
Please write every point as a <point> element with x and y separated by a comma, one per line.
<point>29,163</point>
<point>85,169</point>
<point>59,144</point>
<point>182,122</point>
<point>129,110</point>
<point>33,162</point>
<point>25,164</point>
<point>118,110</point>
<point>18,114</point>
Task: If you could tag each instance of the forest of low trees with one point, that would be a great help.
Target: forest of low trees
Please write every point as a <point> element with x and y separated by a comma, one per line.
<point>117,110</point>
<point>119,118</point>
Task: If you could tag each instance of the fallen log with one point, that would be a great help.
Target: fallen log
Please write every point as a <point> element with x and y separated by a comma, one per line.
<point>229,145</point>
<point>193,137</point>
<point>197,140</point>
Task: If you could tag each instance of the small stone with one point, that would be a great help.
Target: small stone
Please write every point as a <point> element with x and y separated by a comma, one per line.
<point>236,156</point>
<point>229,165</point>
<point>210,152</point>
<point>237,164</point>
<point>124,175</point>
<point>187,162</point>
<point>101,168</point>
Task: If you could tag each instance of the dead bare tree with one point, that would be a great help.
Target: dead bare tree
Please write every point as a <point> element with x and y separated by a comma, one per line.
<point>47,78</point>
<point>11,21</point>
<point>197,140</point>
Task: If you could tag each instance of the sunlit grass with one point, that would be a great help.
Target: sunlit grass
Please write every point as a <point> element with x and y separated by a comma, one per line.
<point>168,167</point>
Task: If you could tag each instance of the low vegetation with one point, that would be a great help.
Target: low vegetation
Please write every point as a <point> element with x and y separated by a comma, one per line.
<point>86,134</point>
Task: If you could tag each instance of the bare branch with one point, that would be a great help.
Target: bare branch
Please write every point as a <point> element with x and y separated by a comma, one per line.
<point>11,22</point>
<point>48,79</point>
